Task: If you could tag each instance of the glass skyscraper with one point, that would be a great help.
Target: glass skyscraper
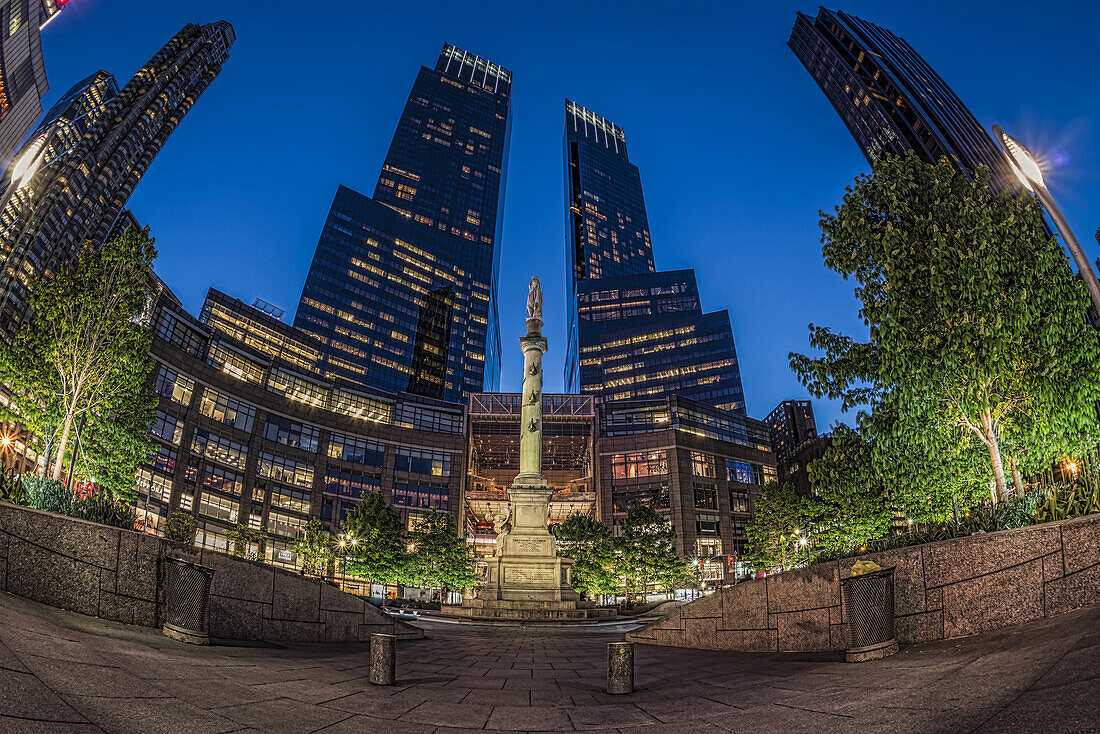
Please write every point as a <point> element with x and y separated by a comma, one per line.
<point>633,332</point>
<point>72,176</point>
<point>401,295</point>
<point>890,98</point>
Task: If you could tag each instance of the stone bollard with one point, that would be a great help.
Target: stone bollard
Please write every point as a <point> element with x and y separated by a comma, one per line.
<point>383,659</point>
<point>620,667</point>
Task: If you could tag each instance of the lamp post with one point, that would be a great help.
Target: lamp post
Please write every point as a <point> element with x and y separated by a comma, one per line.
<point>1031,176</point>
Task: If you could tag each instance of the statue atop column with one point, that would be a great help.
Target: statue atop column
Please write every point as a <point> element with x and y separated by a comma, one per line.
<point>534,299</point>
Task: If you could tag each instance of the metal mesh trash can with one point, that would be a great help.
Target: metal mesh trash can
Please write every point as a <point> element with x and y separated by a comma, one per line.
<point>869,606</point>
<point>187,601</point>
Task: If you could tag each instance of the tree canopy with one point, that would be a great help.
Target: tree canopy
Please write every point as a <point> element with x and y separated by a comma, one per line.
<point>83,357</point>
<point>647,552</point>
<point>378,552</point>
<point>777,538</point>
<point>977,341</point>
<point>588,542</point>
<point>440,559</point>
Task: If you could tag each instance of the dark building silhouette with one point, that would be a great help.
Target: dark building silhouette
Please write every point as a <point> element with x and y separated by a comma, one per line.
<point>789,424</point>
<point>795,442</point>
<point>646,335</point>
<point>435,221</point>
<point>72,177</point>
<point>633,332</point>
<point>22,70</point>
<point>891,100</point>
<point>607,232</point>
<point>433,331</point>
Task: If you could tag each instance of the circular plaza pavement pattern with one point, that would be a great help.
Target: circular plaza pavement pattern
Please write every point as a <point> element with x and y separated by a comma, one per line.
<point>69,673</point>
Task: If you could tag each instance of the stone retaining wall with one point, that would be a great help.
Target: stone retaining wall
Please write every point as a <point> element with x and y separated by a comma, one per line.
<point>118,575</point>
<point>952,588</point>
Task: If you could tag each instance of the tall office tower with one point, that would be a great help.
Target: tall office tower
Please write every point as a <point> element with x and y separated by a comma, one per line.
<point>434,222</point>
<point>891,100</point>
<point>22,71</point>
<point>607,232</point>
<point>74,174</point>
<point>646,336</point>
<point>789,424</point>
<point>633,332</point>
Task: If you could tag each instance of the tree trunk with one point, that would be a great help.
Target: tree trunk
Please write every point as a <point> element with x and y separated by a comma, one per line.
<point>994,457</point>
<point>61,445</point>
<point>1017,480</point>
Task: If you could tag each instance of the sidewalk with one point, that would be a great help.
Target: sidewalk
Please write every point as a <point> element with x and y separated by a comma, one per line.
<point>68,673</point>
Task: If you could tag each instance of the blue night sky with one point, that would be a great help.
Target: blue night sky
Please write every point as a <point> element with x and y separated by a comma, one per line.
<point>738,148</point>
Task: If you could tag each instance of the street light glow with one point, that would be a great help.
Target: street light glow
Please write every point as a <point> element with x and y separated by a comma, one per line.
<point>1026,169</point>
<point>28,164</point>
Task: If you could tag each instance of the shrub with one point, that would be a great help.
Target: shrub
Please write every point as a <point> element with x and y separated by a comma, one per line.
<point>52,495</point>
<point>1063,501</point>
<point>48,494</point>
<point>180,527</point>
<point>11,487</point>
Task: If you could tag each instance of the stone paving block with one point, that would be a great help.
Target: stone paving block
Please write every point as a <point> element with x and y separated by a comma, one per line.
<point>292,630</point>
<point>336,600</point>
<point>804,588</point>
<point>439,713</point>
<point>597,717</point>
<point>296,598</point>
<point>237,619</point>
<point>993,601</point>
<point>74,586</point>
<point>951,561</point>
<point>1054,566</point>
<point>529,718</point>
<point>1078,589</point>
<point>237,578</point>
<point>744,606</point>
<point>282,715</point>
<point>1081,542</point>
<point>923,627</point>
<point>24,696</point>
<point>138,556</point>
<point>803,631</point>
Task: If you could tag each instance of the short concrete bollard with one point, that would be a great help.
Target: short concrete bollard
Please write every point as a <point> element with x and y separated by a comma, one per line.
<point>383,659</point>
<point>620,667</point>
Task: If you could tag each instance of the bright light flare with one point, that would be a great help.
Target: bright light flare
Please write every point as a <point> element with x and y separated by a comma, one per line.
<point>28,163</point>
<point>1026,169</point>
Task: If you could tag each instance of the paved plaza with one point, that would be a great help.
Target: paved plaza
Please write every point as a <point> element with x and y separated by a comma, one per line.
<point>69,673</point>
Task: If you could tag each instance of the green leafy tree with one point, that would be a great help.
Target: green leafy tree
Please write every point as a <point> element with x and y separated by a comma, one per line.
<point>589,544</point>
<point>180,527</point>
<point>84,355</point>
<point>243,536</point>
<point>849,504</point>
<point>375,541</point>
<point>777,536</point>
<point>440,559</point>
<point>977,337</point>
<point>314,548</point>
<point>647,551</point>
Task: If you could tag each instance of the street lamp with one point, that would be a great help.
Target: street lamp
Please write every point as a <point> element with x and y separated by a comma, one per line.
<point>1031,176</point>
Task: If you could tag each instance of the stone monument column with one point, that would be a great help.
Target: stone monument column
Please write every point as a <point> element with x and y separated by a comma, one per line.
<point>530,437</point>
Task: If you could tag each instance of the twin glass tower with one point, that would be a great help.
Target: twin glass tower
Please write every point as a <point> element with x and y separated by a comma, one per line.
<point>401,294</point>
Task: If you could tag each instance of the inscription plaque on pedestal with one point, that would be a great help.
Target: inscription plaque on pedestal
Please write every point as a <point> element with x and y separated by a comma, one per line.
<point>525,575</point>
